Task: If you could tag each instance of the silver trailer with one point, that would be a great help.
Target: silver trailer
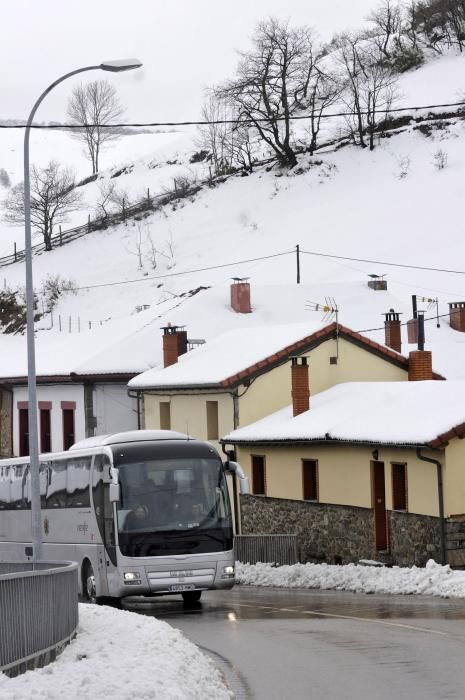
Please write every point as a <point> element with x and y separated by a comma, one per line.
<point>144,512</point>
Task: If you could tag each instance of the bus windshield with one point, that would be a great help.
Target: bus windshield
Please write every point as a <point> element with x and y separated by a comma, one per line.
<point>173,500</point>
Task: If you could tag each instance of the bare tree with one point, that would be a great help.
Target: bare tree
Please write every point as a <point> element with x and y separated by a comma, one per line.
<point>369,83</point>
<point>94,106</point>
<point>53,198</point>
<point>348,51</point>
<point>106,197</point>
<point>324,91</point>
<point>271,84</point>
<point>387,23</point>
<point>213,135</point>
<point>378,88</point>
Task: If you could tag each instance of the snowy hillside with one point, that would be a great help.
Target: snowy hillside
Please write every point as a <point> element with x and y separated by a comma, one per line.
<point>348,202</point>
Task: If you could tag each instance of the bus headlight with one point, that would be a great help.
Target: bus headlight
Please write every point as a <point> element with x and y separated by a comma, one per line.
<point>228,572</point>
<point>131,577</point>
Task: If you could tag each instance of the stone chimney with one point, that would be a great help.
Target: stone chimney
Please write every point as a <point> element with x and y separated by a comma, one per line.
<point>420,364</point>
<point>300,385</point>
<point>240,295</point>
<point>174,344</point>
<point>457,315</point>
<point>392,336</point>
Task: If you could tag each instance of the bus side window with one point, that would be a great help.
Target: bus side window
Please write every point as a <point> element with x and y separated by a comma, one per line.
<point>77,482</point>
<point>56,491</point>
<point>5,502</point>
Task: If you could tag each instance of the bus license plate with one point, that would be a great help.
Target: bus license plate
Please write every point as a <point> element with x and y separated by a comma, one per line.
<point>182,587</point>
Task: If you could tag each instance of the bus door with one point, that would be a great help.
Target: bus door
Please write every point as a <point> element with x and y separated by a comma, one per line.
<point>104,513</point>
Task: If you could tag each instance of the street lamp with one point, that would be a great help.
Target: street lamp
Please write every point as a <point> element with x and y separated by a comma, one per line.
<point>114,67</point>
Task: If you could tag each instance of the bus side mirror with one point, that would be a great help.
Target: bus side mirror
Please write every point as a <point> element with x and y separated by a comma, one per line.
<point>114,493</point>
<point>236,469</point>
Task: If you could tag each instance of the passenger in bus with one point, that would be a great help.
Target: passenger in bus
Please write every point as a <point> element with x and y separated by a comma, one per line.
<point>137,518</point>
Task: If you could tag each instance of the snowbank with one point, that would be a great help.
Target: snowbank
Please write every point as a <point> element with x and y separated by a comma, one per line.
<point>121,655</point>
<point>433,579</point>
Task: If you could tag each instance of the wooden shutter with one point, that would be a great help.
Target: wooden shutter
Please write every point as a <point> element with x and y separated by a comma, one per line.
<point>212,420</point>
<point>165,415</point>
<point>258,475</point>
<point>399,486</point>
<point>310,479</point>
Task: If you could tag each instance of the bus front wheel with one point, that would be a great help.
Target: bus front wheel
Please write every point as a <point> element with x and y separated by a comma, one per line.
<point>88,583</point>
<point>191,597</point>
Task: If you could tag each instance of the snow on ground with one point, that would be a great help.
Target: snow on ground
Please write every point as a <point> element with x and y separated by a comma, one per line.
<point>433,579</point>
<point>122,655</point>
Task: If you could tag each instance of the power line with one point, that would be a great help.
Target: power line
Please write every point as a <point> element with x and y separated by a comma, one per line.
<point>186,272</point>
<point>381,328</point>
<point>383,262</point>
<point>136,125</point>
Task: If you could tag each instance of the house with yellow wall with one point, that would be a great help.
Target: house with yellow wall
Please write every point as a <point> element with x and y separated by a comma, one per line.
<point>362,470</point>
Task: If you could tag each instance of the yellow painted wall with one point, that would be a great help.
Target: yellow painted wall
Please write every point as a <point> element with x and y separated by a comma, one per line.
<point>344,474</point>
<point>272,391</point>
<point>454,478</point>
<point>189,413</point>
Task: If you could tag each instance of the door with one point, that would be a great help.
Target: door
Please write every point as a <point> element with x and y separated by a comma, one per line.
<point>379,505</point>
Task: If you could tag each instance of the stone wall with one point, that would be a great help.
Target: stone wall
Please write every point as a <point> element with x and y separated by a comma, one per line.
<point>325,533</point>
<point>414,538</point>
<point>342,534</point>
<point>455,541</point>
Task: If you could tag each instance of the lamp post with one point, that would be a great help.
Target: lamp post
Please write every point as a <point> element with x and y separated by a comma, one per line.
<point>114,67</point>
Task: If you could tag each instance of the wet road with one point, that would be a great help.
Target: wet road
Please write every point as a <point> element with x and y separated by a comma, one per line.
<point>274,643</point>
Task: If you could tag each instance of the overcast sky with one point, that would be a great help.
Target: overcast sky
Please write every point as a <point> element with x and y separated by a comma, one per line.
<point>185,45</point>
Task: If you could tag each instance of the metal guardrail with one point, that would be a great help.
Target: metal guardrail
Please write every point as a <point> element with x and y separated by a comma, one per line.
<point>275,549</point>
<point>38,613</point>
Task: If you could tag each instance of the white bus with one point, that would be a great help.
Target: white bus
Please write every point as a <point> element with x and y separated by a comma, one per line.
<point>144,512</point>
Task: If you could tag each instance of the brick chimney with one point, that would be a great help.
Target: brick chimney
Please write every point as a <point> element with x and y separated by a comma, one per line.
<point>174,344</point>
<point>300,385</point>
<point>420,364</point>
<point>240,295</point>
<point>457,315</point>
<point>392,337</point>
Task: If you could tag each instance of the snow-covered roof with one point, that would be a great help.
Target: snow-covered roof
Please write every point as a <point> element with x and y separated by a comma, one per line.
<point>398,413</point>
<point>238,354</point>
<point>225,356</point>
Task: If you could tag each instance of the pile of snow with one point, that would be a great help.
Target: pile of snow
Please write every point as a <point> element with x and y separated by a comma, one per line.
<point>433,579</point>
<point>120,655</point>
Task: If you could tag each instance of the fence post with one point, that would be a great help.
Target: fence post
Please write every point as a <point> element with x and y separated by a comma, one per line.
<point>69,324</point>
<point>59,323</point>
<point>148,197</point>
<point>61,236</point>
<point>124,210</point>
<point>15,250</point>
<point>88,223</point>
<point>90,325</point>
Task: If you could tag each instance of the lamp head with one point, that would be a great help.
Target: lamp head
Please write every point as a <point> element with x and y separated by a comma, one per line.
<point>121,64</point>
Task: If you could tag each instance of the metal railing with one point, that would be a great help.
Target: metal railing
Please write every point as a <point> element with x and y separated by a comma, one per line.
<point>273,549</point>
<point>38,613</point>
